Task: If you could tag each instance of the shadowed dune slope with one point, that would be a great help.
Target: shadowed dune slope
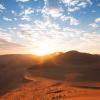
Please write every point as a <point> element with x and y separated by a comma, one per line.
<point>70,66</point>
<point>12,70</point>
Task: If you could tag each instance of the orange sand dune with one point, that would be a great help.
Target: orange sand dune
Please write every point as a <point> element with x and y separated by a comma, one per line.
<point>92,97</point>
<point>44,89</point>
<point>67,76</point>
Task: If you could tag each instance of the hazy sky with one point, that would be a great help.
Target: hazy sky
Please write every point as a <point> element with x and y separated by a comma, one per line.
<point>26,26</point>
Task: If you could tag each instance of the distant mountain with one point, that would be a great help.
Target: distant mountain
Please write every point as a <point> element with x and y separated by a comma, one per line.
<point>69,66</point>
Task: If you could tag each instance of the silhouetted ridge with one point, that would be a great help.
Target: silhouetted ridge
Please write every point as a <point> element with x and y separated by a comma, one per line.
<point>78,57</point>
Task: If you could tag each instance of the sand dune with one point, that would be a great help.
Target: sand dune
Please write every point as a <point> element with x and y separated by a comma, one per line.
<point>12,70</point>
<point>70,66</point>
<point>60,76</point>
<point>44,89</point>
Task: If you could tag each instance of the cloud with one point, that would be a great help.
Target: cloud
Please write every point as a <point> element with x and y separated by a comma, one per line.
<point>96,23</point>
<point>97,20</point>
<point>45,28</point>
<point>27,11</point>
<point>46,31</point>
<point>5,44</point>
<point>5,35</point>
<point>93,11</point>
<point>22,0</point>
<point>25,27</point>
<point>7,47</point>
<point>12,28</point>
<point>7,19</point>
<point>2,8</point>
<point>66,38</point>
<point>73,9</point>
<point>54,12</point>
<point>25,14</point>
<point>49,25</point>
<point>31,31</point>
<point>82,4</point>
<point>45,24</point>
<point>74,5</point>
<point>38,31</point>
<point>72,20</point>
<point>13,12</point>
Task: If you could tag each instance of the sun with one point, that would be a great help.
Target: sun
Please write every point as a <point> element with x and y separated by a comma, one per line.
<point>44,50</point>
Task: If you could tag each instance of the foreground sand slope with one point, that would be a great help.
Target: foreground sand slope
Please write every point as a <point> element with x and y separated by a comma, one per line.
<point>44,89</point>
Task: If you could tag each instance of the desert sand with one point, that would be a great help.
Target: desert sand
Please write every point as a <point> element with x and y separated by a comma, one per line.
<point>68,76</point>
<point>44,89</point>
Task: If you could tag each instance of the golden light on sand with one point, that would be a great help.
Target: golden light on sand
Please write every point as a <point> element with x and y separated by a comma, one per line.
<point>44,50</point>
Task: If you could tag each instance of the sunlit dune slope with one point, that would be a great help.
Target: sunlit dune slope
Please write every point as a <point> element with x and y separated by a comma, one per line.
<point>45,89</point>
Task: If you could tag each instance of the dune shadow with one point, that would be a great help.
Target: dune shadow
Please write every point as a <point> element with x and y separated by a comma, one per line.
<point>69,72</point>
<point>87,87</point>
<point>4,88</point>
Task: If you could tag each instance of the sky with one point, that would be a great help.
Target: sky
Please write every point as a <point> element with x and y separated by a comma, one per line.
<point>32,26</point>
